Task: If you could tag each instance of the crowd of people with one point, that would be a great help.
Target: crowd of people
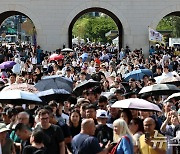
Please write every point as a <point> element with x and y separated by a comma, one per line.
<point>86,123</point>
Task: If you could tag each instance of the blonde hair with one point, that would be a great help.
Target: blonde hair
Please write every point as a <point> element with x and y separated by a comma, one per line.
<point>124,130</point>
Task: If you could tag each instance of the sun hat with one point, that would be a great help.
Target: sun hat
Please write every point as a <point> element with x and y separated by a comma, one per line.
<point>101,114</point>
<point>3,128</point>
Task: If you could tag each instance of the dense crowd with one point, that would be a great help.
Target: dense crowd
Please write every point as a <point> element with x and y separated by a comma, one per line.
<point>86,122</point>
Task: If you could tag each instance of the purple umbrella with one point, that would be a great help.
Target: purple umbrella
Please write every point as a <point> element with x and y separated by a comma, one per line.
<point>136,103</point>
<point>7,64</point>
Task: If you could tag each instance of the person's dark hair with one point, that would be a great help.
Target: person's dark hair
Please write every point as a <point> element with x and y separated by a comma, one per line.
<point>139,122</point>
<point>42,112</point>
<point>38,136</point>
<point>12,74</point>
<point>53,104</point>
<point>103,99</point>
<point>70,122</point>
<point>91,106</point>
<point>119,91</point>
<point>84,105</point>
<point>153,80</point>
<point>72,100</point>
<point>128,114</point>
<point>49,108</point>
<point>20,127</point>
<point>145,76</point>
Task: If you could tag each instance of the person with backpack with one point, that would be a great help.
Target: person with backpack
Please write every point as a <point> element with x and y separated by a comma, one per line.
<point>103,132</point>
<point>122,137</point>
<point>85,142</point>
<point>37,146</point>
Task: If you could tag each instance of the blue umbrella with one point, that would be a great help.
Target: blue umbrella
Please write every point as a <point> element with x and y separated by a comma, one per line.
<point>7,64</point>
<point>84,56</point>
<point>138,74</point>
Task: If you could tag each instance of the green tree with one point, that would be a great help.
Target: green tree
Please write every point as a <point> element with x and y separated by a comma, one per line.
<point>170,23</point>
<point>94,28</point>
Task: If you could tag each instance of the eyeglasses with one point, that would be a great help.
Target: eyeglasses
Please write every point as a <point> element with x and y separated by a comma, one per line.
<point>45,118</point>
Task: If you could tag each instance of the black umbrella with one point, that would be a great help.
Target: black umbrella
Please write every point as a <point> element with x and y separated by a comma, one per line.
<point>160,89</point>
<point>85,85</point>
<point>55,82</point>
<point>54,94</point>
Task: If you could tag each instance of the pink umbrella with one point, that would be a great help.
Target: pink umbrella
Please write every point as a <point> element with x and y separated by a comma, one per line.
<point>21,86</point>
<point>56,57</point>
<point>136,103</point>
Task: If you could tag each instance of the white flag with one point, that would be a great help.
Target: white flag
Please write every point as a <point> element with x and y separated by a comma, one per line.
<point>155,36</point>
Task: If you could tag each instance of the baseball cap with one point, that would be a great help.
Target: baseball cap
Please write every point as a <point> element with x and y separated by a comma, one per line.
<point>101,114</point>
<point>3,128</point>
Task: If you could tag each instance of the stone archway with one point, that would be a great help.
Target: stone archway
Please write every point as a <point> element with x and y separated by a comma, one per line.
<point>96,9</point>
<point>173,10</point>
<point>14,9</point>
<point>126,30</point>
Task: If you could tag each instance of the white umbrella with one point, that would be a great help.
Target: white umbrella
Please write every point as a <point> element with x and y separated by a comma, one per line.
<point>107,94</point>
<point>19,97</point>
<point>67,50</point>
<point>136,103</point>
<point>175,95</point>
<point>160,89</point>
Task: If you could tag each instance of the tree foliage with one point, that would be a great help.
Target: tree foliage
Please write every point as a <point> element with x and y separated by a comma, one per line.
<point>94,28</point>
<point>170,23</point>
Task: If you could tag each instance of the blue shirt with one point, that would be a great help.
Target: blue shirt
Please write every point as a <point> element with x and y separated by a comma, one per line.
<point>125,146</point>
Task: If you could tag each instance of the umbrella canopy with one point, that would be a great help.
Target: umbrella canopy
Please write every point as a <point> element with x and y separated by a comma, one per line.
<point>54,82</point>
<point>67,50</point>
<point>175,96</point>
<point>84,56</point>
<point>85,85</point>
<point>22,86</point>
<point>160,89</point>
<point>171,80</point>
<point>56,57</point>
<point>170,77</point>
<point>54,94</point>
<point>136,103</point>
<point>19,97</point>
<point>138,74</point>
<point>107,94</point>
<point>7,64</point>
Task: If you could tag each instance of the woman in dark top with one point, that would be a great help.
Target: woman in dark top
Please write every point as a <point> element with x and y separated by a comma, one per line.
<point>75,122</point>
<point>37,146</point>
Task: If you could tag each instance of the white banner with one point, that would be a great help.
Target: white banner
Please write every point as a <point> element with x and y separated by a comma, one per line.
<point>155,36</point>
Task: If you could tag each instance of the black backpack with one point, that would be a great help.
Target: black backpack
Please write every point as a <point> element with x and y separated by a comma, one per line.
<point>39,151</point>
<point>103,135</point>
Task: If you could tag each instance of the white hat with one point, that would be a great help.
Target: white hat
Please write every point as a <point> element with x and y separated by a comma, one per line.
<point>101,113</point>
<point>3,128</point>
<point>81,100</point>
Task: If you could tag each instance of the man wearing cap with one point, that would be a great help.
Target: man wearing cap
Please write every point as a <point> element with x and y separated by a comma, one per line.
<point>103,132</point>
<point>6,144</point>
